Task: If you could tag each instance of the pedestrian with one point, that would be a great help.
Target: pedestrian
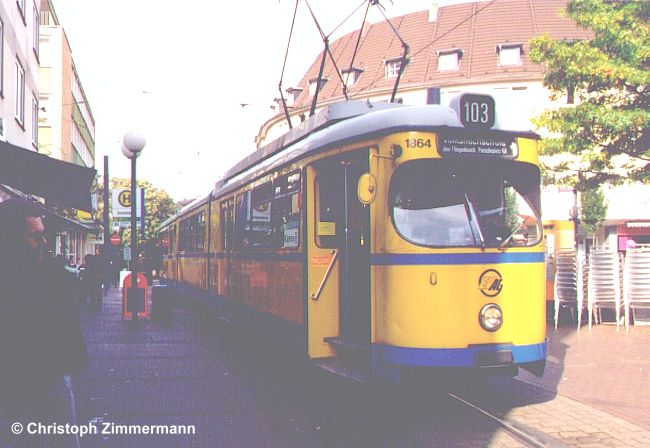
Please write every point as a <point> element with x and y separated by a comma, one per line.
<point>41,343</point>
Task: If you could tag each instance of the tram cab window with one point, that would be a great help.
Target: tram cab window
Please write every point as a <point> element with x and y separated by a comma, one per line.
<point>470,203</point>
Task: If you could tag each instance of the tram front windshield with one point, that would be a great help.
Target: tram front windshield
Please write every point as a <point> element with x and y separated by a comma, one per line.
<point>467,203</point>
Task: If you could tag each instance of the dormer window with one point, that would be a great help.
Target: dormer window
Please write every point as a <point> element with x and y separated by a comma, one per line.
<point>351,76</point>
<point>510,54</point>
<point>313,83</point>
<point>293,93</point>
<point>449,60</point>
<point>393,67</point>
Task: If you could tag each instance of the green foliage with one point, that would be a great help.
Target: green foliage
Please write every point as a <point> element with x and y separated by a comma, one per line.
<point>593,209</point>
<point>158,206</point>
<point>608,76</point>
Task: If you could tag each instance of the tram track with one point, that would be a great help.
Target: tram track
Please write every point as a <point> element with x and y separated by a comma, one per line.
<point>526,435</point>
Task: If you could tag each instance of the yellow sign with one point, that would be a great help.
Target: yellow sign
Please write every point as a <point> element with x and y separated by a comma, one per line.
<point>326,228</point>
<point>124,198</point>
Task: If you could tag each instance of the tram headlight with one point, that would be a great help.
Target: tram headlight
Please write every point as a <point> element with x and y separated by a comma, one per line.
<point>491,317</point>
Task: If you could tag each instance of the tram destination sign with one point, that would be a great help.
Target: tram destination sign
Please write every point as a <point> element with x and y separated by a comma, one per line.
<point>477,144</point>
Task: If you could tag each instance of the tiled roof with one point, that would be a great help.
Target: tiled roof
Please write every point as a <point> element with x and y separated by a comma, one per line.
<point>476,29</point>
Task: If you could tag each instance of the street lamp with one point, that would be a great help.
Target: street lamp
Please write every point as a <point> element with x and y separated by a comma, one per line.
<point>132,145</point>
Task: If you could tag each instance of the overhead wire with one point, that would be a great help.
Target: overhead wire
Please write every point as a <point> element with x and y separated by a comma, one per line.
<point>284,66</point>
<point>356,47</point>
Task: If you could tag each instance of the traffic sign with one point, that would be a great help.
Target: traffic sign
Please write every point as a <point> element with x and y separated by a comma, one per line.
<point>116,240</point>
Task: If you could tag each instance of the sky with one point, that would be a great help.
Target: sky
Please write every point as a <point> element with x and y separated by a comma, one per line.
<point>178,72</point>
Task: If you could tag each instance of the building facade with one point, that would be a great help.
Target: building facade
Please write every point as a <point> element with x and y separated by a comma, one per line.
<point>19,72</point>
<point>66,127</point>
<point>477,47</point>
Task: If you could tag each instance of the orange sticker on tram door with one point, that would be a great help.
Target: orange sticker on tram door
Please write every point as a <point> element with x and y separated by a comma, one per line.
<point>320,260</point>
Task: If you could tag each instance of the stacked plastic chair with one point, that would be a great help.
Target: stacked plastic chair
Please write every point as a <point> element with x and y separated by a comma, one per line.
<point>604,284</point>
<point>636,285</point>
<point>568,291</point>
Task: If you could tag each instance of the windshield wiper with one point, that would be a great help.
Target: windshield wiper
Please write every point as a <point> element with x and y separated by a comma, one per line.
<point>473,217</point>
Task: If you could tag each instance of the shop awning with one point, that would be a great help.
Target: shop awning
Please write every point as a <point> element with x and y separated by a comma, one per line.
<point>59,182</point>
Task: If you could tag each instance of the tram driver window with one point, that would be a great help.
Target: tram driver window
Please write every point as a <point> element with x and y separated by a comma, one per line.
<point>454,203</point>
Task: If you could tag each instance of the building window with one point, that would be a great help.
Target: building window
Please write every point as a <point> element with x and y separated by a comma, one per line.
<point>510,54</point>
<point>294,93</point>
<point>449,60</point>
<point>37,24</point>
<point>35,121</point>
<point>20,93</point>
<point>350,77</point>
<point>393,67</point>
<point>313,83</point>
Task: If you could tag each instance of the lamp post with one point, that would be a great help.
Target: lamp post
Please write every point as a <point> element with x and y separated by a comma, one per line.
<point>132,145</point>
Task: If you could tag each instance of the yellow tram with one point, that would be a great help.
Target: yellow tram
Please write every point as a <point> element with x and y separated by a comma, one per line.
<point>378,240</point>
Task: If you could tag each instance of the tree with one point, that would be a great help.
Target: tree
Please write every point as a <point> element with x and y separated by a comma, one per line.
<point>157,203</point>
<point>593,209</point>
<point>607,130</point>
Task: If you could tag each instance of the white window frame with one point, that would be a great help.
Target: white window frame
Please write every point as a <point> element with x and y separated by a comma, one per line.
<point>20,93</point>
<point>351,76</point>
<point>449,60</point>
<point>392,67</point>
<point>510,54</point>
<point>313,83</point>
<point>35,121</point>
<point>36,30</point>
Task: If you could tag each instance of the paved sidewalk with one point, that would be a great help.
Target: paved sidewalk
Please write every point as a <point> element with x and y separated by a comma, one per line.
<point>595,391</point>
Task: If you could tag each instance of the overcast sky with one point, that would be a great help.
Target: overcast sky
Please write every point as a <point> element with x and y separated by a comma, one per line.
<point>179,71</point>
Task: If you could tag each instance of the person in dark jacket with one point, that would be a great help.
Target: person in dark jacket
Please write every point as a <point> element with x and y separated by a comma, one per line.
<point>41,342</point>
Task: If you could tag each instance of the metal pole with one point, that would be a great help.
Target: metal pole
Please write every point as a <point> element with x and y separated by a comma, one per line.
<point>106,218</point>
<point>134,238</point>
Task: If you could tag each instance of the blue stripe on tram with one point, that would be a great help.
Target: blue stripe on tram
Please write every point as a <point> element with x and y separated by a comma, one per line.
<point>457,259</point>
<point>454,357</point>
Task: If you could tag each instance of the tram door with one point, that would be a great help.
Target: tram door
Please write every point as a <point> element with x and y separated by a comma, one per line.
<point>227,228</point>
<point>340,257</point>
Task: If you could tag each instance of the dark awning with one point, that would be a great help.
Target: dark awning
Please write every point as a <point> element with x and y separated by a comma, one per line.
<point>59,182</point>
<point>55,221</point>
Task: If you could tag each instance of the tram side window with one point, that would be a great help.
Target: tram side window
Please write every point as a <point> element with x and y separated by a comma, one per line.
<point>172,240</point>
<point>192,233</point>
<point>200,232</point>
<point>226,224</point>
<point>269,216</point>
<point>254,218</point>
<point>285,220</point>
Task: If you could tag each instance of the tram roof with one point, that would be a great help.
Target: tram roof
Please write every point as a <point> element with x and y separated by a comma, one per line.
<point>329,115</point>
<point>339,123</point>
<point>360,123</point>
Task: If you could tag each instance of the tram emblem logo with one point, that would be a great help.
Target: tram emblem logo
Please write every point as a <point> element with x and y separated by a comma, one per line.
<point>490,283</point>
